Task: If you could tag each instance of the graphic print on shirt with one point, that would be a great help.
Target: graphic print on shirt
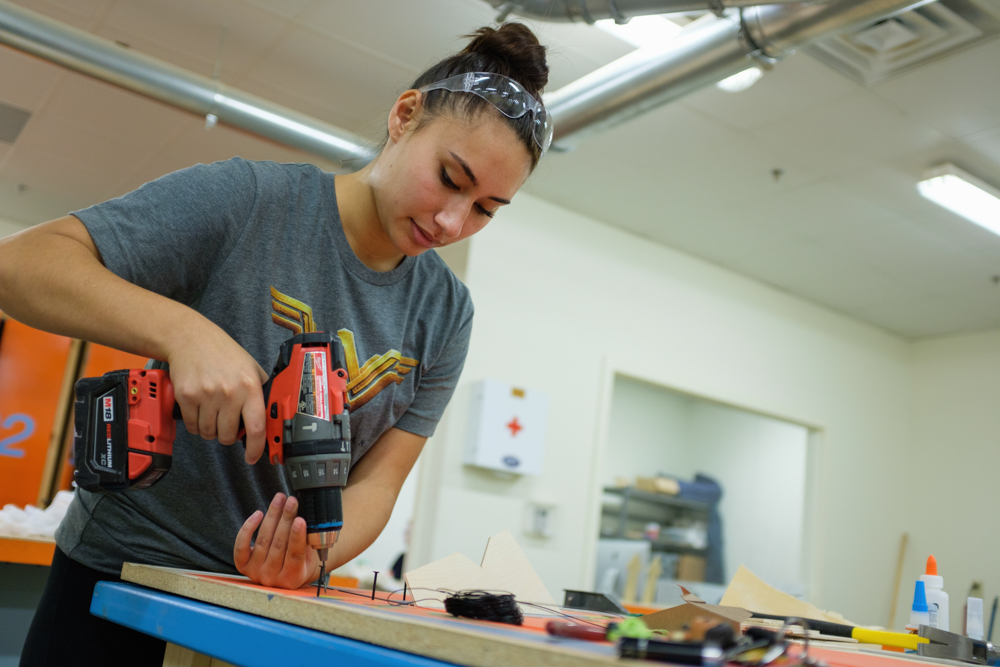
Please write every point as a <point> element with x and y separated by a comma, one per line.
<point>366,380</point>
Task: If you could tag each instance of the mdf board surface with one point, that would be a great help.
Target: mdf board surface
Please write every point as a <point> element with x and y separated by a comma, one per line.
<point>435,634</point>
<point>97,361</point>
<point>384,622</point>
<point>33,368</point>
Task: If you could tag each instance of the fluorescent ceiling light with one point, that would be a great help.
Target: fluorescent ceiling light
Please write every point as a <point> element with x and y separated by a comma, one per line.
<point>740,80</point>
<point>641,31</point>
<point>962,193</point>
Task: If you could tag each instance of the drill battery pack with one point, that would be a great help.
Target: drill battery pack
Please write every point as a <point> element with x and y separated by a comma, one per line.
<point>124,430</point>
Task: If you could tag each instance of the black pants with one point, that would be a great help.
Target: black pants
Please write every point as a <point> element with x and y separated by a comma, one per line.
<point>64,632</point>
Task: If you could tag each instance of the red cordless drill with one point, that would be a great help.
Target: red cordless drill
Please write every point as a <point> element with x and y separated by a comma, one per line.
<point>126,423</point>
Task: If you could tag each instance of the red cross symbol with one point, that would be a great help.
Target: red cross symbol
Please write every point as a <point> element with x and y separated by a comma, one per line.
<point>514,427</point>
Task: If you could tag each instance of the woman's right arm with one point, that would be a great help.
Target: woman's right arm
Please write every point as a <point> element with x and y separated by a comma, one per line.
<point>52,278</point>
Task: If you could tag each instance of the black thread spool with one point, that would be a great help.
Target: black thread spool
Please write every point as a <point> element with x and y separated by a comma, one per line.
<point>484,606</point>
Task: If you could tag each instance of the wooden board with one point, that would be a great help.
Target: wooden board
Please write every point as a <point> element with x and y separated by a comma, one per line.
<point>504,568</point>
<point>26,550</point>
<point>385,622</point>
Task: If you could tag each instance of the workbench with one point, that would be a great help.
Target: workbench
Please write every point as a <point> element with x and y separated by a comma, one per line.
<point>232,620</point>
<point>226,618</point>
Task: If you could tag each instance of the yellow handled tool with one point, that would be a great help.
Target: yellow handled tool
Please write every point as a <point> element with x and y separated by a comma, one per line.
<point>863,635</point>
<point>896,639</point>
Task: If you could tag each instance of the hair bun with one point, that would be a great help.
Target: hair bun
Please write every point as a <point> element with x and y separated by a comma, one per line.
<point>514,51</point>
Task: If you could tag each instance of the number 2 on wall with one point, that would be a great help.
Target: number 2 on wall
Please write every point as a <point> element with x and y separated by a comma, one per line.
<point>27,428</point>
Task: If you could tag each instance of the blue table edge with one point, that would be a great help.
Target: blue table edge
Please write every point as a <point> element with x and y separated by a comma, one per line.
<point>234,636</point>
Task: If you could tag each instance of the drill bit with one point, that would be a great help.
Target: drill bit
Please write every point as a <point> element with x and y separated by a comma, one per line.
<point>321,584</point>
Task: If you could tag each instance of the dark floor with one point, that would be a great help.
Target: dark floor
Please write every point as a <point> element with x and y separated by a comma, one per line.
<point>21,588</point>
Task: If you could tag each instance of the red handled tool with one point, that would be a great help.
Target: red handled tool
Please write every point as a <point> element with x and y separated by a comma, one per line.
<point>126,424</point>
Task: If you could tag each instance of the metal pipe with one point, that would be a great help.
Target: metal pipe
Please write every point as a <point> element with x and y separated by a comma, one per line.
<point>702,54</point>
<point>102,59</point>
<point>621,11</point>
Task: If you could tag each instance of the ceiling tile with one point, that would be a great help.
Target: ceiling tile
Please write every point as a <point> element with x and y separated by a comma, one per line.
<point>819,211</point>
<point>25,82</point>
<point>287,8</point>
<point>47,173</point>
<point>795,85</point>
<point>988,144</point>
<point>88,148</point>
<point>193,144</point>
<point>31,204</point>
<point>410,48</point>
<point>342,116</point>
<point>852,131</point>
<point>821,274</point>
<point>136,42</point>
<point>120,115</point>
<point>332,73</point>
<point>82,14</point>
<point>198,28</point>
<point>959,94</point>
<point>915,257</point>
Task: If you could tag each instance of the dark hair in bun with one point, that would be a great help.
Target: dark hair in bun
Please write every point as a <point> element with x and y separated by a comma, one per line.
<point>512,50</point>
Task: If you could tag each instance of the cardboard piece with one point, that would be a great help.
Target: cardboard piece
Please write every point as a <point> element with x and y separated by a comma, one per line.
<point>666,485</point>
<point>652,579</point>
<point>634,569</point>
<point>504,568</point>
<point>749,591</point>
<point>675,618</point>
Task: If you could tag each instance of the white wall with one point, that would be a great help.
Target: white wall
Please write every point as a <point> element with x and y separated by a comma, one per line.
<point>563,300</point>
<point>649,432</point>
<point>761,464</point>
<point>954,502</point>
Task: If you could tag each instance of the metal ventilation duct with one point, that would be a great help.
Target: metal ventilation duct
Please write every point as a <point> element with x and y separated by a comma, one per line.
<point>82,52</point>
<point>704,53</point>
<point>621,11</point>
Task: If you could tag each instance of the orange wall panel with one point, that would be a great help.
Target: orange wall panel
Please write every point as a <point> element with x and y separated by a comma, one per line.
<point>32,365</point>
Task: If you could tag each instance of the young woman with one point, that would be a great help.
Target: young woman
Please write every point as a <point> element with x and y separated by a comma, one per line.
<point>212,267</point>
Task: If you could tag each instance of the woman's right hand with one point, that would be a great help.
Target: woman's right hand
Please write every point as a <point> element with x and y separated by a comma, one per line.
<point>215,383</point>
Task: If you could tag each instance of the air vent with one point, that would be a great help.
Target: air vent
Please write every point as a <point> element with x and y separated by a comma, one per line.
<point>910,39</point>
<point>12,121</point>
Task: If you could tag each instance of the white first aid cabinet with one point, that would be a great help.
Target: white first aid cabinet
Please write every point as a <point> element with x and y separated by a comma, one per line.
<point>506,428</point>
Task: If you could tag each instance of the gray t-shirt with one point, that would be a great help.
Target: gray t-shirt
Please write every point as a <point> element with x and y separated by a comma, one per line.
<point>258,248</point>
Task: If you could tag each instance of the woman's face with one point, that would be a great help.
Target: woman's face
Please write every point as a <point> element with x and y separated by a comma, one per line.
<point>442,183</point>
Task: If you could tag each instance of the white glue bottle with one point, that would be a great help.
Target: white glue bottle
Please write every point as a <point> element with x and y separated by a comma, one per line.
<point>937,599</point>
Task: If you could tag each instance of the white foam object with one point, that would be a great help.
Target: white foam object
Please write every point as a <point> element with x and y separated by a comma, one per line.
<point>504,569</point>
<point>34,522</point>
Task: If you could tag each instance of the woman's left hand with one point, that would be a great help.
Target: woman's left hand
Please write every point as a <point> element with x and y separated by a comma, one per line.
<point>280,557</point>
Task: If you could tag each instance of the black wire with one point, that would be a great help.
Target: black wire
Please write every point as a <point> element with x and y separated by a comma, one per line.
<point>452,594</point>
<point>484,606</point>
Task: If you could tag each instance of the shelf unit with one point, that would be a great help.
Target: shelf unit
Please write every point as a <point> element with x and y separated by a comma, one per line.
<point>638,508</point>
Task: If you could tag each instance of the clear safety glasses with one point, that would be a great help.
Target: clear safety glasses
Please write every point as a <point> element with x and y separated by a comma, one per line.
<point>507,95</point>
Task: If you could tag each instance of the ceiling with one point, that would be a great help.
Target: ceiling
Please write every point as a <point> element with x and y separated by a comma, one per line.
<point>841,224</point>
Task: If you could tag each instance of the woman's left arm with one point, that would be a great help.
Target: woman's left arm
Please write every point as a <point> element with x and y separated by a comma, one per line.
<point>280,557</point>
<point>372,487</point>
